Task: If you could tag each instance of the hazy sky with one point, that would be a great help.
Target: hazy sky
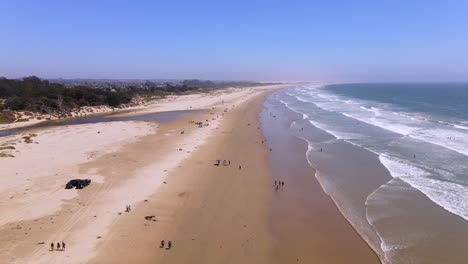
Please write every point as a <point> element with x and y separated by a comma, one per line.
<point>410,40</point>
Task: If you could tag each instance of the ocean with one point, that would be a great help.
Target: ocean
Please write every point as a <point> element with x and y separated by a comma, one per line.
<point>394,158</point>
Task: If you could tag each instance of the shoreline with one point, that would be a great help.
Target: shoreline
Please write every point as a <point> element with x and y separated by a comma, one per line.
<point>364,239</point>
<point>305,202</point>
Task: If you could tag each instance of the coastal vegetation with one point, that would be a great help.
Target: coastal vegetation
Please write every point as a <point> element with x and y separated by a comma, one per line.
<point>35,95</point>
<point>6,117</point>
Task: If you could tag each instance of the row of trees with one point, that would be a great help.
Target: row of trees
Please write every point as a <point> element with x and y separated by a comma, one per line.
<point>36,95</point>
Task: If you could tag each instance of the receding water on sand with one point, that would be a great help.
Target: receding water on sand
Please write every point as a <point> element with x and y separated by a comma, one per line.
<point>397,174</point>
<point>159,117</point>
<point>304,218</point>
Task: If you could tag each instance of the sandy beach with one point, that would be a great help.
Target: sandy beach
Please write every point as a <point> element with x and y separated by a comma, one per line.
<point>165,172</point>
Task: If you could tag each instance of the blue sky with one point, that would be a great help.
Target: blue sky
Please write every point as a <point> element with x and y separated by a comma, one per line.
<point>334,41</point>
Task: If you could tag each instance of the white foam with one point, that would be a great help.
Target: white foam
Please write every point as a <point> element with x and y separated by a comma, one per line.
<point>374,110</point>
<point>304,115</point>
<point>387,124</point>
<point>448,138</point>
<point>418,126</point>
<point>461,127</point>
<point>445,192</point>
<point>451,196</point>
<point>301,99</point>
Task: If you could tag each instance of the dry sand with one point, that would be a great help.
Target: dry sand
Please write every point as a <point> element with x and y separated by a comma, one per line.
<point>127,161</point>
<point>213,214</point>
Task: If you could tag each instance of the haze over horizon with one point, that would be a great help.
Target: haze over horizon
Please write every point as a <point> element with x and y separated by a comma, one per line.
<point>325,41</point>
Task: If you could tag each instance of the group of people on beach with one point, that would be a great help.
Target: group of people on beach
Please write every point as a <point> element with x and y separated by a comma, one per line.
<point>278,184</point>
<point>169,244</point>
<point>128,208</point>
<point>62,248</point>
<point>228,163</point>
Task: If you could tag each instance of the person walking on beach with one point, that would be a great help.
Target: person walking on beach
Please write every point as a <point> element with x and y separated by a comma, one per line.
<point>52,246</point>
<point>169,244</point>
<point>282,184</point>
<point>240,167</point>
<point>63,245</point>
<point>229,162</point>
<point>162,244</point>
<point>275,183</point>
<point>58,246</point>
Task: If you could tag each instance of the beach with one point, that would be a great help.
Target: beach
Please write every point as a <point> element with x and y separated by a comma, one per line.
<point>165,172</point>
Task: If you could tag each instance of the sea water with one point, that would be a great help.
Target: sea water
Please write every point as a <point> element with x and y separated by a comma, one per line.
<point>418,133</point>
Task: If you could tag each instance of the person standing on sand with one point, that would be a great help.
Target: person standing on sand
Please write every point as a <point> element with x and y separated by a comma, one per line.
<point>63,245</point>
<point>240,167</point>
<point>52,246</point>
<point>169,244</point>
<point>162,243</point>
<point>275,182</point>
<point>229,162</point>
<point>58,246</point>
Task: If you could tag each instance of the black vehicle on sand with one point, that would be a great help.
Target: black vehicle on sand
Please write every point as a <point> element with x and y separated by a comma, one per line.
<point>77,183</point>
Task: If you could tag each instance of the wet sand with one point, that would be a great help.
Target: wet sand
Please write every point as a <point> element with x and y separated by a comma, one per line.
<point>304,217</point>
